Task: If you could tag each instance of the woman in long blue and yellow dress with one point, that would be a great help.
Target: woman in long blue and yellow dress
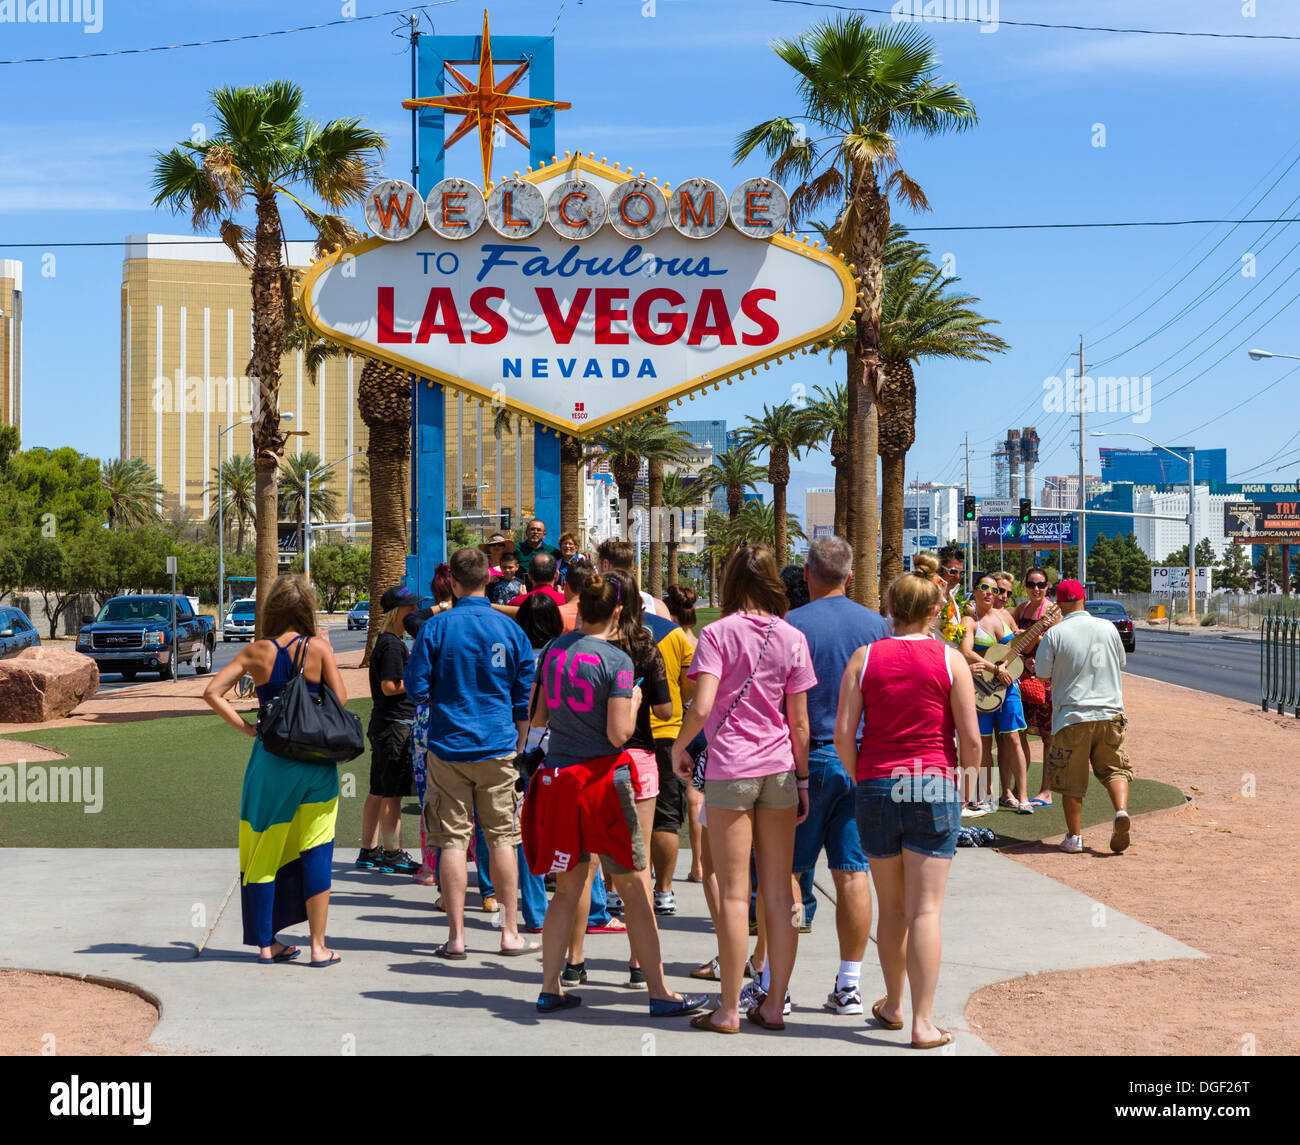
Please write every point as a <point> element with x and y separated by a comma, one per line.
<point>288,809</point>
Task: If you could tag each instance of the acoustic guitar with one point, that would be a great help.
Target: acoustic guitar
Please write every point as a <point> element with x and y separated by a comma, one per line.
<point>989,690</point>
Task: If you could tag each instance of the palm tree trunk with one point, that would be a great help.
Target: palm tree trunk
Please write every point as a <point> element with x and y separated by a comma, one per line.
<point>893,469</point>
<point>264,371</point>
<point>672,562</point>
<point>570,485</point>
<point>778,509</point>
<point>387,452</point>
<point>840,460</point>
<point>713,580</point>
<point>655,481</point>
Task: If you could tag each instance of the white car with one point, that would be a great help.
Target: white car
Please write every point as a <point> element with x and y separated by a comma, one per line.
<point>240,620</point>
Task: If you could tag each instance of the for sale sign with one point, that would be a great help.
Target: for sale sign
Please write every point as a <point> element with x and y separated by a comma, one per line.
<point>579,295</point>
<point>1173,581</point>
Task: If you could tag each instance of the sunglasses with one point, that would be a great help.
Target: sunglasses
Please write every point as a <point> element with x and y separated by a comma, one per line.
<point>954,571</point>
<point>987,588</point>
<point>1036,584</point>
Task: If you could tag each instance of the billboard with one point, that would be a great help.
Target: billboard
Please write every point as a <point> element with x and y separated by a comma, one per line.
<point>1039,533</point>
<point>1262,522</point>
<point>909,517</point>
<point>578,294</point>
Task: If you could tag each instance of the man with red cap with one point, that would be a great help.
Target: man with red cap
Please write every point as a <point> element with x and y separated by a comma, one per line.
<point>1083,657</point>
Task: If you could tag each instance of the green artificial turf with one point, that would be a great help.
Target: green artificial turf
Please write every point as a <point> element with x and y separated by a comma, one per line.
<point>175,782</point>
<point>167,782</point>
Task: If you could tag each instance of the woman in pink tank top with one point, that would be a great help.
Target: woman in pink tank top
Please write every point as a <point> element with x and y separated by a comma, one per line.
<point>914,699</point>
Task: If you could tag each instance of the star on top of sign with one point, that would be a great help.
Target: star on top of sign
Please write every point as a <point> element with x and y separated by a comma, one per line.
<point>486,103</point>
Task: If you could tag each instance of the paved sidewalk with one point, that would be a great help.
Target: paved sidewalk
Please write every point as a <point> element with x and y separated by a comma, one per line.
<point>131,915</point>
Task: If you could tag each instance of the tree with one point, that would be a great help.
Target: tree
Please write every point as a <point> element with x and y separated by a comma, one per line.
<point>264,145</point>
<point>757,524</point>
<point>293,492</point>
<point>733,470</point>
<point>859,86</point>
<point>1206,557</point>
<point>572,454</point>
<point>58,490</point>
<point>1234,571</point>
<point>717,547</point>
<point>921,317</point>
<point>679,494</point>
<point>784,432</point>
<point>133,492</point>
<point>829,415</point>
<point>335,569</point>
<point>237,485</point>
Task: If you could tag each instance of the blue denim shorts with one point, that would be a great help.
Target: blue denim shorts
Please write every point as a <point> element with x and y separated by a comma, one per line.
<point>831,822</point>
<point>921,814</point>
<point>1010,717</point>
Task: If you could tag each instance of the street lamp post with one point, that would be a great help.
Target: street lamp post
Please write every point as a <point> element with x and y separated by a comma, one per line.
<point>306,555</point>
<point>1257,356</point>
<point>1191,509</point>
<point>221,521</point>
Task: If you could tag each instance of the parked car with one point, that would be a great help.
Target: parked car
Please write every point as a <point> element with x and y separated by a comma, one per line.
<point>1118,615</point>
<point>359,617</point>
<point>240,620</point>
<point>16,633</point>
<point>133,634</point>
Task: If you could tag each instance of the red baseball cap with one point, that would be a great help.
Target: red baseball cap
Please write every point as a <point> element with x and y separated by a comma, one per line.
<point>1070,590</point>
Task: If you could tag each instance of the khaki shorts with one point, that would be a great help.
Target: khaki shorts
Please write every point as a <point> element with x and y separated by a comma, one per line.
<point>456,792</point>
<point>1095,743</point>
<point>771,792</point>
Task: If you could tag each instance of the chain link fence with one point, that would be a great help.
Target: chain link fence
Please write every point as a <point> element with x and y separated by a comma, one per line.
<point>1242,610</point>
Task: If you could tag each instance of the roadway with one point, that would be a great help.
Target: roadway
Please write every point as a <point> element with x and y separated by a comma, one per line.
<point>340,638</point>
<point>1207,663</point>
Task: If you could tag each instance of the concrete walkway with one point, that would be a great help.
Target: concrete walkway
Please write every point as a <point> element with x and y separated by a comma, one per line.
<point>137,915</point>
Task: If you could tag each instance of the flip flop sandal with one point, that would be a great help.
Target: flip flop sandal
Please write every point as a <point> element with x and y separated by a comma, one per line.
<point>288,954</point>
<point>1040,803</point>
<point>332,960</point>
<point>549,1003</point>
<point>441,951</point>
<point>758,1020</point>
<point>708,972</point>
<point>527,948</point>
<point>701,1022</point>
<point>667,1008</point>
<point>875,1013</point>
<point>613,926</point>
<point>944,1039</point>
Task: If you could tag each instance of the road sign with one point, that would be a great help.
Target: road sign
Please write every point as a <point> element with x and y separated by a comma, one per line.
<point>1171,580</point>
<point>999,507</point>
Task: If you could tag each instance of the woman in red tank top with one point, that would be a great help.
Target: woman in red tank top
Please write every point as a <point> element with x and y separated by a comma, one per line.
<point>914,698</point>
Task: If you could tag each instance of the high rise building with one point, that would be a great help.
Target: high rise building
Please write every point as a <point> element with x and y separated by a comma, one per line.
<point>1062,492</point>
<point>1156,467</point>
<point>186,343</point>
<point>819,512</point>
<point>11,343</point>
<point>714,435</point>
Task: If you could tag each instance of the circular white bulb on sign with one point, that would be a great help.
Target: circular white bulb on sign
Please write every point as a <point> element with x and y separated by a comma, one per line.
<point>576,209</point>
<point>394,210</point>
<point>516,209</point>
<point>759,208</point>
<point>637,209</point>
<point>455,208</point>
<point>698,208</point>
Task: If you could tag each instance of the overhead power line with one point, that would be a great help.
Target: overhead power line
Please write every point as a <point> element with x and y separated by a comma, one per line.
<point>937,18</point>
<point>227,39</point>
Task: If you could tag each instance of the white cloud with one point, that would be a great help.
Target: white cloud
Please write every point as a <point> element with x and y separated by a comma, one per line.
<point>54,169</point>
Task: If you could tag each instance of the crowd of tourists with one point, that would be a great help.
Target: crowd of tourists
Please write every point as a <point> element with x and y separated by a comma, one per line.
<point>563,729</point>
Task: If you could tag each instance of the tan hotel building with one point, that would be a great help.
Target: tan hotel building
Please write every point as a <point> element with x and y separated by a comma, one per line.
<point>187,331</point>
<point>11,343</point>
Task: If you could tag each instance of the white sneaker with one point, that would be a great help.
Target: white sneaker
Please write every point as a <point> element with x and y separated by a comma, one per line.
<point>613,903</point>
<point>843,1001</point>
<point>1119,839</point>
<point>1072,844</point>
<point>752,995</point>
<point>665,902</point>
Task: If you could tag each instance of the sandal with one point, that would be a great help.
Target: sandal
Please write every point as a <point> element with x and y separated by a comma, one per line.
<point>875,1013</point>
<point>758,1020</point>
<point>701,1022</point>
<point>945,1038</point>
<point>613,926</point>
<point>709,971</point>
<point>1008,802</point>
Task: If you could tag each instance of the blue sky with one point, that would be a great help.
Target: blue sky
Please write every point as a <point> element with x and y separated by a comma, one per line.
<point>1194,128</point>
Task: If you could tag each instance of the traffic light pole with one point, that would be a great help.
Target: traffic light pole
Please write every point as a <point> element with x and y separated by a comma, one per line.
<point>971,526</point>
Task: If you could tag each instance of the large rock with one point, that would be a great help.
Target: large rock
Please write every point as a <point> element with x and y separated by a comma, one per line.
<point>45,683</point>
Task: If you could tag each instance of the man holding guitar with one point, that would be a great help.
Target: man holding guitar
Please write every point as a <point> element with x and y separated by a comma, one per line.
<point>990,644</point>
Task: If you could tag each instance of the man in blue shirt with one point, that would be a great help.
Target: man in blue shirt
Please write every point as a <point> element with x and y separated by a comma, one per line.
<point>474,668</point>
<point>835,628</point>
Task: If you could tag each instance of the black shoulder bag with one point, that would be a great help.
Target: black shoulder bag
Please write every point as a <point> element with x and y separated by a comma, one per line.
<point>311,728</point>
<point>701,760</point>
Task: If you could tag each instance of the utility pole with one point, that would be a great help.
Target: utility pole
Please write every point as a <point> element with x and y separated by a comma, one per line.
<point>1191,533</point>
<point>970,564</point>
<point>1083,454</point>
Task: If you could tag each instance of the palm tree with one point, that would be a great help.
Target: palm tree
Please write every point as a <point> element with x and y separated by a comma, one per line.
<point>733,470</point>
<point>784,432</point>
<point>829,417</point>
<point>921,317</point>
<point>263,146</point>
<point>717,546</point>
<point>859,85</point>
<point>679,494</point>
<point>758,523</point>
<point>572,455</point>
<point>238,483</point>
<point>652,437</point>
<point>133,492</point>
<point>293,492</point>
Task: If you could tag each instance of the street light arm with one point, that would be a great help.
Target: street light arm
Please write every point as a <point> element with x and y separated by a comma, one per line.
<point>1143,437</point>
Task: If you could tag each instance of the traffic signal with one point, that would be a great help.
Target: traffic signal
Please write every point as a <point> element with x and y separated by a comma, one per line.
<point>613,508</point>
<point>505,519</point>
<point>968,509</point>
<point>1026,510</point>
